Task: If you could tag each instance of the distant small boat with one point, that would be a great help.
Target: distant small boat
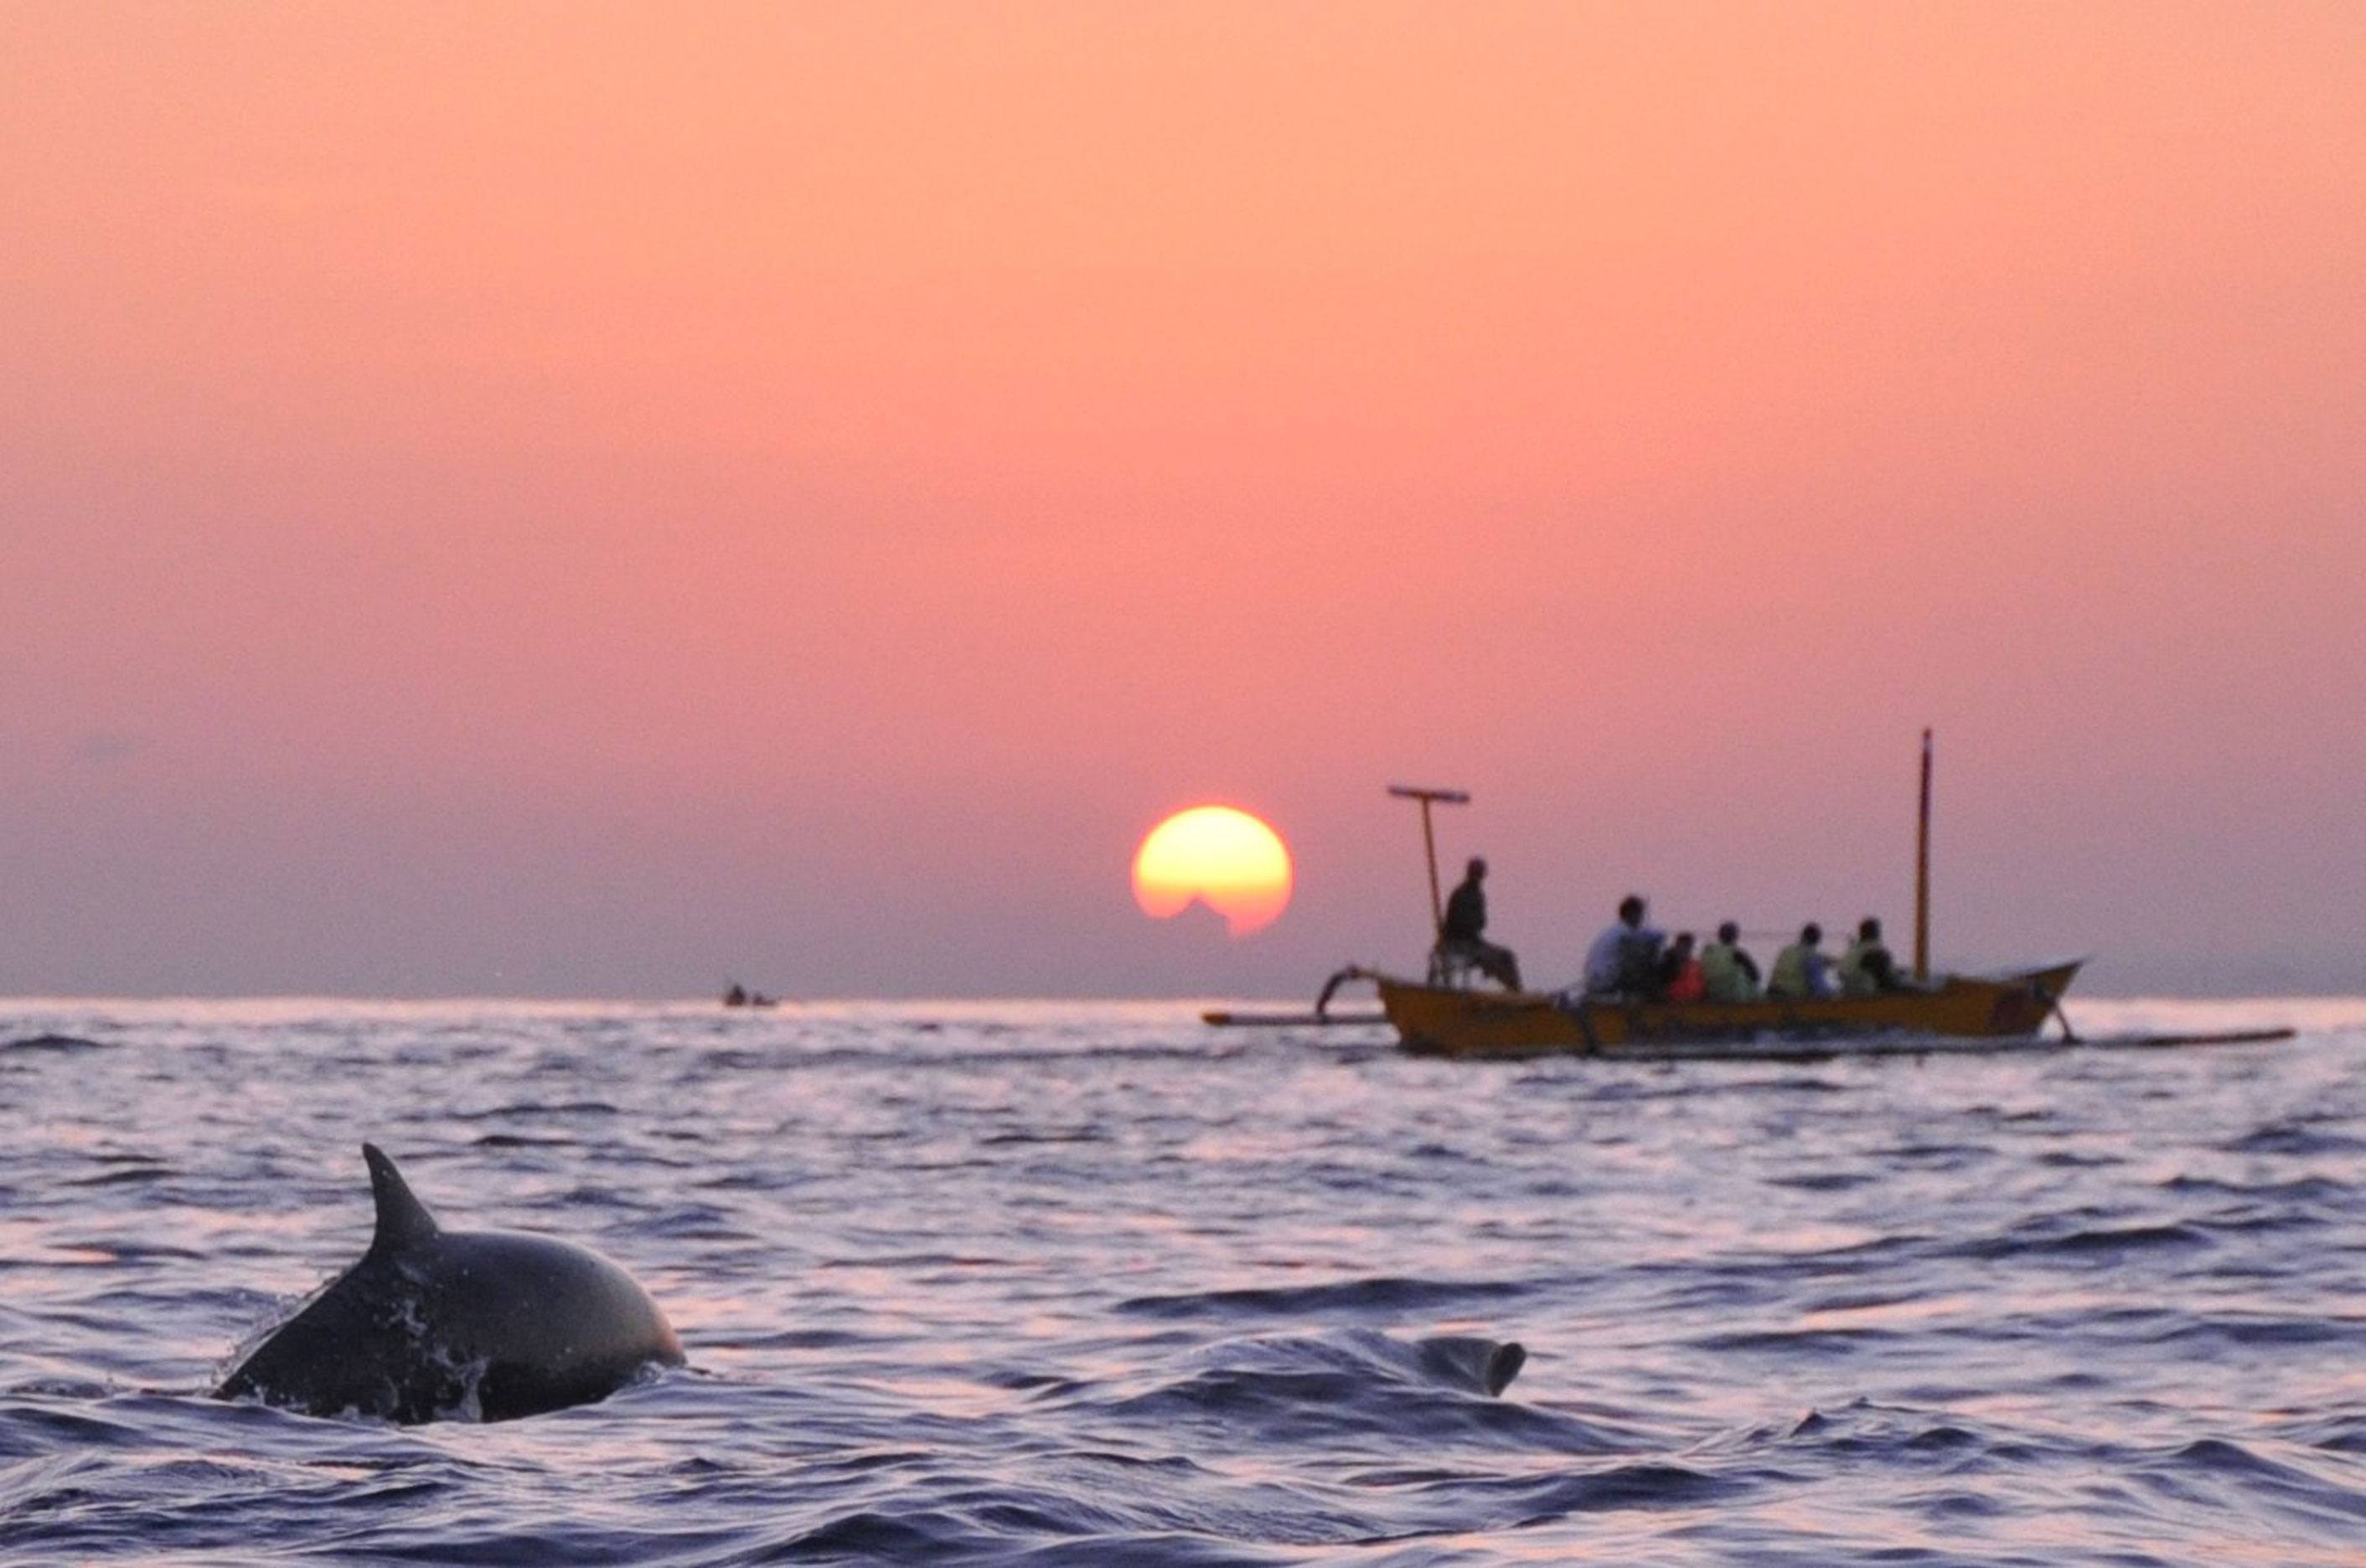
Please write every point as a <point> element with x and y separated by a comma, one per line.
<point>740,996</point>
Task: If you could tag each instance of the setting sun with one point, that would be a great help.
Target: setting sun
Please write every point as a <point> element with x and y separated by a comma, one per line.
<point>1219,856</point>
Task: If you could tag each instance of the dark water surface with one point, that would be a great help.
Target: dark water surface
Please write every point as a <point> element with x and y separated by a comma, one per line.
<point>1056,1283</point>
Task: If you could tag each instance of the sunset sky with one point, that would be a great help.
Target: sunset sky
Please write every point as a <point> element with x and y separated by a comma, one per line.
<point>583,498</point>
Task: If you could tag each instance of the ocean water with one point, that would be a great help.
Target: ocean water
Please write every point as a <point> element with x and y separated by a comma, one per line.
<point>1092,1283</point>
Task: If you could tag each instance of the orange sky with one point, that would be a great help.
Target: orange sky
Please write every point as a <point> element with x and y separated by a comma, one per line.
<point>578,499</point>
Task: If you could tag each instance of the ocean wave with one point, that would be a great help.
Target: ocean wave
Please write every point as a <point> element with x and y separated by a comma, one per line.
<point>1044,1285</point>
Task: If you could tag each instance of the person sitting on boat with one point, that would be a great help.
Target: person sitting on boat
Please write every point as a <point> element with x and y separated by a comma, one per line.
<point>1625,959</point>
<point>1465,919</point>
<point>1727,971</point>
<point>1681,979</point>
<point>1801,970</point>
<point>1867,969</point>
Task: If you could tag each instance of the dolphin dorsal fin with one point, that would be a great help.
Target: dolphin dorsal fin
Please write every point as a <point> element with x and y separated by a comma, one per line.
<point>403,1222</point>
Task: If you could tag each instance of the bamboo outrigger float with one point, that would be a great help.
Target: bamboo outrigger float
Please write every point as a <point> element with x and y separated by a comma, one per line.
<point>1444,1015</point>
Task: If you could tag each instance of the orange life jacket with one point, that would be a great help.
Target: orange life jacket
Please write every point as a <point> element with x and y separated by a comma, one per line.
<point>1689,984</point>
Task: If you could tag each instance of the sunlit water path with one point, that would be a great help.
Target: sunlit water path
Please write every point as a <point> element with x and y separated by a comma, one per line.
<point>1088,1283</point>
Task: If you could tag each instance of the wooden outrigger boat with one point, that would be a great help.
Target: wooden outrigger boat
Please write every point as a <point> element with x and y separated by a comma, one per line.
<point>1444,1014</point>
<point>1455,1020</point>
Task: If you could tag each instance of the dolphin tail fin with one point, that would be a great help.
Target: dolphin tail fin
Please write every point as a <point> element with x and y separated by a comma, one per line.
<point>403,1222</point>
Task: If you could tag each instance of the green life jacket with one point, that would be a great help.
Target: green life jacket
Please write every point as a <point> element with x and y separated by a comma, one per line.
<point>1790,975</point>
<point>1725,978</point>
<point>1855,980</point>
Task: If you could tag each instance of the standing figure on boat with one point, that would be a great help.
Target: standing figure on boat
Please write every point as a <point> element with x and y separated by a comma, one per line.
<point>1625,959</point>
<point>1801,970</point>
<point>1727,971</point>
<point>1867,969</point>
<point>1460,936</point>
<point>1680,976</point>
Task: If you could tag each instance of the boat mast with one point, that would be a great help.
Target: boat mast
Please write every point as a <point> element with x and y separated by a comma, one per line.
<point>1923,871</point>
<point>1429,841</point>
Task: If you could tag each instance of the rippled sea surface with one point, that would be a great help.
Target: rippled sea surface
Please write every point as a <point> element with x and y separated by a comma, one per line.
<point>1092,1283</point>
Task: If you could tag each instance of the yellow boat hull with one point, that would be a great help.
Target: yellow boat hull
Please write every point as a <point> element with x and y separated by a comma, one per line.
<point>1963,1011</point>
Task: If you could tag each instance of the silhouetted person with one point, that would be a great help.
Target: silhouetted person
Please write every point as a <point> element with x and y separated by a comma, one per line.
<point>1801,971</point>
<point>1463,934</point>
<point>1868,968</point>
<point>1625,959</point>
<point>1681,979</point>
<point>1727,971</point>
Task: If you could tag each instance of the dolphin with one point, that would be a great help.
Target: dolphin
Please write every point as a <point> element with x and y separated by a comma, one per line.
<point>1483,1366</point>
<point>434,1323</point>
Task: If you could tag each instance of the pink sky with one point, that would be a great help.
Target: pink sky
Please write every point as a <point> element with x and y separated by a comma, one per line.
<point>595,500</point>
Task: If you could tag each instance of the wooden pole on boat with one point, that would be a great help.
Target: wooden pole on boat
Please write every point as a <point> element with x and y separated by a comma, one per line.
<point>1429,841</point>
<point>1923,871</point>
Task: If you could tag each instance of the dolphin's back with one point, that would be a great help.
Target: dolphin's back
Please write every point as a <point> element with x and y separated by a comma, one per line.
<point>432,1322</point>
<point>355,1348</point>
<point>549,1323</point>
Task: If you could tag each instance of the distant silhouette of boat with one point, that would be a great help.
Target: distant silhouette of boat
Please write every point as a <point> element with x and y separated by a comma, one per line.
<point>740,996</point>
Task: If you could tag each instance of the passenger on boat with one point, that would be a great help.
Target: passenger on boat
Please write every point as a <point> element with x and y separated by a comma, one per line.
<point>1465,919</point>
<point>1867,969</point>
<point>1801,970</point>
<point>1625,959</point>
<point>1681,978</point>
<point>1727,971</point>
